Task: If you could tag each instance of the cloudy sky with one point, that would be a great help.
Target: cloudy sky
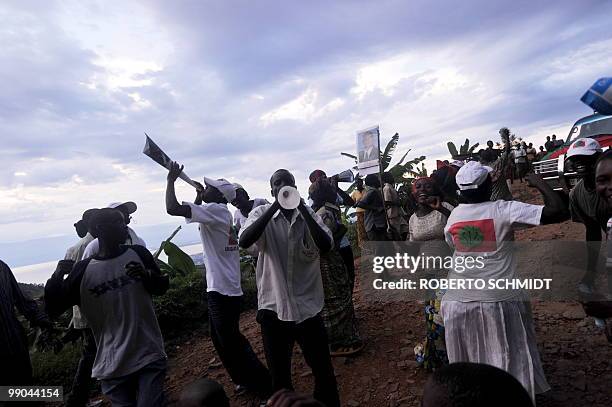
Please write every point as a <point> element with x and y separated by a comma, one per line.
<point>237,89</point>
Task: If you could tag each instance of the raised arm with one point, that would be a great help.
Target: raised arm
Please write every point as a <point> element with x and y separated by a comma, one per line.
<point>346,198</point>
<point>319,235</point>
<point>26,306</point>
<point>60,293</point>
<point>554,210</point>
<point>173,207</point>
<point>436,204</point>
<point>250,235</point>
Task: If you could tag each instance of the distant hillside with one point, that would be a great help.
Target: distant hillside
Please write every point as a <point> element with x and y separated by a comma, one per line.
<point>32,290</point>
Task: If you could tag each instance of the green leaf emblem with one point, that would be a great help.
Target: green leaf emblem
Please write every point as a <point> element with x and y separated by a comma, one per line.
<point>471,236</point>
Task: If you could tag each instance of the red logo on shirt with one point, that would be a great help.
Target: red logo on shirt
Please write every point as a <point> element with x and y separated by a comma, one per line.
<point>233,240</point>
<point>474,236</point>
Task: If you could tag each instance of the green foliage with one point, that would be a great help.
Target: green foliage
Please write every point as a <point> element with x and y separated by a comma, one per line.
<point>56,369</point>
<point>249,284</point>
<point>452,149</point>
<point>354,157</point>
<point>182,307</point>
<point>179,262</point>
<point>464,150</point>
<point>351,233</point>
<point>33,291</point>
<point>387,155</point>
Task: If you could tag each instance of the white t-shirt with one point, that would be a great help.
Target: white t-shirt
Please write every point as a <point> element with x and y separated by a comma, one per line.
<point>76,253</point>
<point>222,257</point>
<point>487,230</point>
<point>94,247</point>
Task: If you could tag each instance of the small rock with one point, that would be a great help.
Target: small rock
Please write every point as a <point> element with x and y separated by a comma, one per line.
<point>352,403</point>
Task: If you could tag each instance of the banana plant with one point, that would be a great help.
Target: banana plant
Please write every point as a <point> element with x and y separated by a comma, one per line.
<point>179,262</point>
<point>464,150</point>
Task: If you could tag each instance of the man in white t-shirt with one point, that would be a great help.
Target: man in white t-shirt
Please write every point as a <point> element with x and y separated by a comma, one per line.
<point>126,209</point>
<point>224,293</point>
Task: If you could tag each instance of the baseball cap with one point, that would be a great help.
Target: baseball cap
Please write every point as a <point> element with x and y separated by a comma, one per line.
<point>583,146</point>
<point>458,163</point>
<point>472,175</point>
<point>129,206</point>
<point>227,189</point>
<point>237,186</point>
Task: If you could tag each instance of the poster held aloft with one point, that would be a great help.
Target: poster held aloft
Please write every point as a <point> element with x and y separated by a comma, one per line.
<point>368,151</point>
<point>157,154</point>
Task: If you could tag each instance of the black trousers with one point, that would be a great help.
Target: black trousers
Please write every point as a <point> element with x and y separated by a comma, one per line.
<point>279,338</point>
<point>79,395</point>
<point>349,262</point>
<point>234,350</point>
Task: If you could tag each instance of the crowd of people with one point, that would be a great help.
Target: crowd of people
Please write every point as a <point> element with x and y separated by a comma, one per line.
<point>305,275</point>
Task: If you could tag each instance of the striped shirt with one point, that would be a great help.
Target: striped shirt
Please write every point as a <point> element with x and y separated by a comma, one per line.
<point>499,189</point>
<point>13,340</point>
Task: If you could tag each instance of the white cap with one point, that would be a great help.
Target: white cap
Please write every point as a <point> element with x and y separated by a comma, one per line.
<point>471,175</point>
<point>129,206</point>
<point>458,163</point>
<point>237,186</point>
<point>226,188</point>
<point>583,146</point>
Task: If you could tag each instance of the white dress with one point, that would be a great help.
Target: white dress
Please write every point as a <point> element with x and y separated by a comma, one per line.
<point>489,326</point>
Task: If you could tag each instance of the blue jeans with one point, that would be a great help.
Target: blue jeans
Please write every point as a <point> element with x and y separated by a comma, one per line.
<point>143,388</point>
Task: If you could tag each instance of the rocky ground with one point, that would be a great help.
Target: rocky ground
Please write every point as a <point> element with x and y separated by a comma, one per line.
<point>575,353</point>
